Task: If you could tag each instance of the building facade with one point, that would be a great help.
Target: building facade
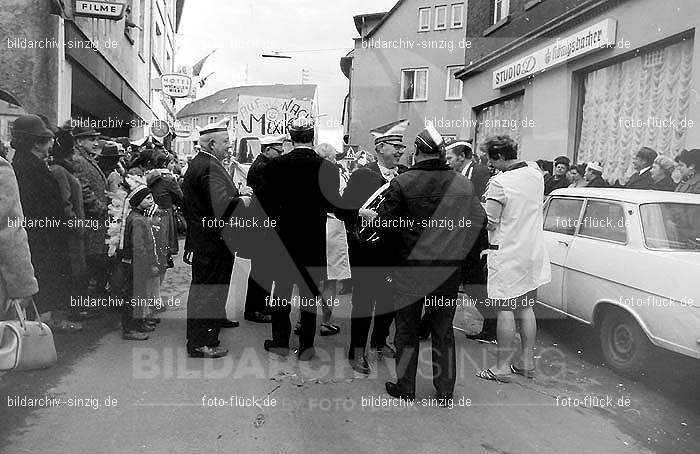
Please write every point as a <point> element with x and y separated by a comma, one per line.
<point>97,70</point>
<point>591,79</point>
<point>403,66</point>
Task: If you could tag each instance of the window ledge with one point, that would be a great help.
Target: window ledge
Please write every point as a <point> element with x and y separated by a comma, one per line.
<point>531,4</point>
<point>413,100</point>
<point>453,99</point>
<point>497,25</point>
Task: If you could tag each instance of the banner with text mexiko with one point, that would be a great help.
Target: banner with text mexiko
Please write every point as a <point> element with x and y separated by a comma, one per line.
<point>260,116</point>
<point>590,39</point>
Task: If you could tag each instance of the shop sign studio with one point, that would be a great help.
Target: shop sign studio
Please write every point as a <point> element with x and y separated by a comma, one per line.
<point>593,38</point>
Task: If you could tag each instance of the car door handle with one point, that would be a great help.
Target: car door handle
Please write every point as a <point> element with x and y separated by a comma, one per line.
<point>563,242</point>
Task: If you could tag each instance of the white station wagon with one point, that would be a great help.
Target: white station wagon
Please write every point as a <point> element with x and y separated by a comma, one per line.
<point>628,262</point>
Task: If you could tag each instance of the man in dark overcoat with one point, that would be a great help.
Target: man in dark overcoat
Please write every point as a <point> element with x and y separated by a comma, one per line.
<point>301,188</point>
<point>210,199</point>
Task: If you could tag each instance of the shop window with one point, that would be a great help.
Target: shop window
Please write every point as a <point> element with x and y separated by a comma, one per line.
<point>441,17</point>
<point>454,85</point>
<point>500,10</point>
<point>423,19</point>
<point>457,15</point>
<point>414,84</point>
<point>504,117</point>
<point>625,105</point>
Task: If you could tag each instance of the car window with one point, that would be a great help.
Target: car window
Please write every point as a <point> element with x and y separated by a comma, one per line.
<point>563,215</point>
<point>604,220</point>
<point>671,226</point>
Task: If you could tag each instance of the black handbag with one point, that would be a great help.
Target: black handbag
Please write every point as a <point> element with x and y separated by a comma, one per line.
<point>180,222</point>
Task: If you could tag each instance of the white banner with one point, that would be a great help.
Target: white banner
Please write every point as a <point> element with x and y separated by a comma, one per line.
<point>260,116</point>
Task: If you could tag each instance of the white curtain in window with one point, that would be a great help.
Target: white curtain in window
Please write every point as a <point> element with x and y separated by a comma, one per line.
<point>502,118</point>
<point>625,104</point>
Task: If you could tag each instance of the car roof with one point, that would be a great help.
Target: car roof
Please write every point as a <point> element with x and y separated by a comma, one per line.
<point>629,195</point>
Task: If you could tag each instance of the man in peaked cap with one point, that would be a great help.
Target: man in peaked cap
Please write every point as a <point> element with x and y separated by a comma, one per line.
<point>299,190</point>
<point>210,199</point>
<point>261,254</point>
<point>370,288</point>
<point>428,256</point>
<point>559,178</point>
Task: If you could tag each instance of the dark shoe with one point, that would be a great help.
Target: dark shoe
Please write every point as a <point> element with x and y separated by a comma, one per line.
<point>393,390</point>
<point>153,320</point>
<point>226,323</point>
<point>208,352</point>
<point>384,351</point>
<point>329,329</point>
<point>258,317</point>
<point>360,365</point>
<point>270,346</point>
<point>134,336</point>
<point>145,327</point>
<point>482,337</point>
<point>306,354</point>
<point>214,344</point>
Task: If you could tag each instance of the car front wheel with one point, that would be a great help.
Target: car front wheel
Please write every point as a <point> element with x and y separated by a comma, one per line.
<point>624,345</point>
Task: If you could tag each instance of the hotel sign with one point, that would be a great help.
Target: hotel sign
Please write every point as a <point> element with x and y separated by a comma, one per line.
<point>99,10</point>
<point>593,38</point>
<point>176,85</point>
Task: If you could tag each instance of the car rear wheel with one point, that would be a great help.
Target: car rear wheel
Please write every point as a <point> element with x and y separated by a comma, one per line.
<point>624,345</point>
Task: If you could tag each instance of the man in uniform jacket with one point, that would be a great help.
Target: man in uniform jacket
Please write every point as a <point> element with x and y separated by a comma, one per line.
<point>459,157</point>
<point>371,292</point>
<point>559,178</point>
<point>642,163</point>
<point>299,190</point>
<point>423,211</point>
<point>47,229</point>
<point>95,202</point>
<point>260,238</point>
<point>210,199</point>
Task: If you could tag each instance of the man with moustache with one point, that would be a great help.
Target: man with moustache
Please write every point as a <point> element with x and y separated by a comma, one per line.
<point>370,288</point>
<point>210,199</point>
<point>95,202</point>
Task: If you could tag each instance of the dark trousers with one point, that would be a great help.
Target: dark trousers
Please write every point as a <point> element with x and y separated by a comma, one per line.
<point>122,288</point>
<point>474,278</point>
<point>98,274</point>
<point>371,294</point>
<point>259,285</point>
<point>206,303</point>
<point>408,319</point>
<point>282,305</point>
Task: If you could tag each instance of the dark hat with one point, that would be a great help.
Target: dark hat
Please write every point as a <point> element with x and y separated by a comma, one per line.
<point>300,124</point>
<point>31,125</point>
<point>391,133</point>
<point>111,150</point>
<point>562,160</point>
<point>430,141</point>
<point>80,132</point>
<point>138,194</point>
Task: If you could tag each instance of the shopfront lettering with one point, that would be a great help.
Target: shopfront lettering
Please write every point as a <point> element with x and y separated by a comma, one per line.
<point>593,38</point>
